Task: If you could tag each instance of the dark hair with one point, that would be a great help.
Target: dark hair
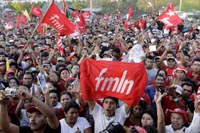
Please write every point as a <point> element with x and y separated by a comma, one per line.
<point>28,73</point>
<point>113,98</point>
<point>196,59</point>
<point>152,113</point>
<point>14,79</point>
<point>53,91</point>
<point>66,93</point>
<point>160,75</point>
<point>71,104</point>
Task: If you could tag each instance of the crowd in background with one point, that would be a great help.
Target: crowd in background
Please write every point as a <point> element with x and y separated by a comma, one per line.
<point>169,103</point>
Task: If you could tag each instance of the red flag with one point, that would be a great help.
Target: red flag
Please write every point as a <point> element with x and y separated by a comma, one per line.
<point>81,23</point>
<point>122,80</point>
<point>130,13</point>
<point>86,14</point>
<point>23,19</point>
<point>141,24</point>
<point>57,20</point>
<point>64,7</point>
<point>60,45</point>
<point>18,21</point>
<point>169,17</point>
<point>36,11</point>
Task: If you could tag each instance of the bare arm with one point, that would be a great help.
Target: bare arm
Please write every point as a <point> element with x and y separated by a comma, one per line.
<point>160,114</point>
<point>91,105</point>
<point>19,107</point>
<point>5,124</point>
<point>88,130</point>
<point>44,108</point>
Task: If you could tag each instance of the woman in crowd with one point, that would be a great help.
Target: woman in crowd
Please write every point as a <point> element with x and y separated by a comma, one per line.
<point>72,122</point>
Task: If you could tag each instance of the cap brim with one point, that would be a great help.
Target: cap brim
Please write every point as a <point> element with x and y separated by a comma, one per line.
<point>32,109</point>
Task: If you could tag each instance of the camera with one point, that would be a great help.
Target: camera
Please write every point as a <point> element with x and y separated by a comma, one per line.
<point>10,91</point>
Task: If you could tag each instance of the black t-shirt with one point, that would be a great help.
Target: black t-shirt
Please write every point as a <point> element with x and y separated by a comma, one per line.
<point>27,129</point>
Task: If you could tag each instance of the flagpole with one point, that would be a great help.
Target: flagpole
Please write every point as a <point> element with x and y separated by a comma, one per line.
<point>39,23</point>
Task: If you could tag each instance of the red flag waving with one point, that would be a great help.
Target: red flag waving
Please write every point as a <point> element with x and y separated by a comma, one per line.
<point>122,80</point>
<point>23,19</point>
<point>169,17</point>
<point>60,45</point>
<point>57,20</point>
<point>74,13</point>
<point>81,23</point>
<point>36,11</point>
<point>18,21</point>
<point>130,13</point>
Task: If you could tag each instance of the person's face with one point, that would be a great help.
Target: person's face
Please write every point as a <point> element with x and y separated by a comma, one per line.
<point>187,91</point>
<point>109,106</point>
<point>27,79</point>
<point>64,74</point>
<point>50,86</point>
<point>177,121</point>
<point>196,66</point>
<point>37,121</point>
<point>137,110</point>
<point>162,73</point>
<point>2,67</point>
<point>72,115</point>
<point>180,74</point>
<point>13,50</point>
<point>75,69</point>
<point>171,63</point>
<point>64,99</point>
<point>13,83</point>
<point>146,120</point>
<point>53,99</point>
<point>159,81</point>
<point>2,57</point>
<point>29,63</point>
<point>149,63</point>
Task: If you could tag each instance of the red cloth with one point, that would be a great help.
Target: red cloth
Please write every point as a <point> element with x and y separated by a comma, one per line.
<point>36,11</point>
<point>57,20</point>
<point>169,17</point>
<point>126,81</point>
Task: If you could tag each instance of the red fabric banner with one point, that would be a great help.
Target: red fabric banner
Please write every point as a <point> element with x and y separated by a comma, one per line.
<point>57,20</point>
<point>86,14</point>
<point>169,17</point>
<point>130,13</point>
<point>60,45</point>
<point>23,19</point>
<point>81,23</point>
<point>36,11</point>
<point>18,21</point>
<point>122,80</point>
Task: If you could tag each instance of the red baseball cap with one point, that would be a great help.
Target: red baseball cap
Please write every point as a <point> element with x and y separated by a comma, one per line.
<point>32,109</point>
<point>10,71</point>
<point>181,112</point>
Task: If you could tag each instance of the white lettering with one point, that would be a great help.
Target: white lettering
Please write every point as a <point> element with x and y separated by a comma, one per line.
<point>166,21</point>
<point>54,20</point>
<point>118,85</point>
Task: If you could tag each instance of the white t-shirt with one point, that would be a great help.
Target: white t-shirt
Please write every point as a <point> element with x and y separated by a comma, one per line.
<point>193,128</point>
<point>101,121</point>
<point>80,124</point>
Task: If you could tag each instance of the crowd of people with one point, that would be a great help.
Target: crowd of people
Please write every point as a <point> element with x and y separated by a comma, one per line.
<point>170,102</point>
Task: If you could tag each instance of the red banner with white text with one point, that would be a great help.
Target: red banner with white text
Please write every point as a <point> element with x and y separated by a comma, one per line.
<point>57,20</point>
<point>125,81</point>
<point>36,11</point>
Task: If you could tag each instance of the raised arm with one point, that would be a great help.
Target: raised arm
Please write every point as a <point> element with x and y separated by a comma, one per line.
<point>44,108</point>
<point>160,114</point>
<point>5,124</point>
